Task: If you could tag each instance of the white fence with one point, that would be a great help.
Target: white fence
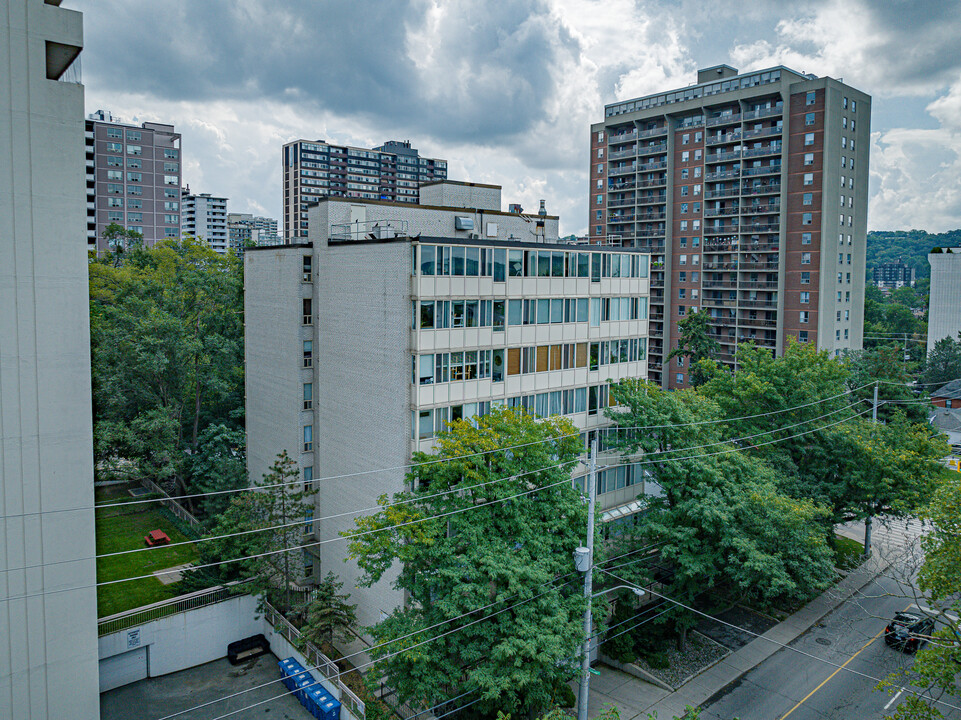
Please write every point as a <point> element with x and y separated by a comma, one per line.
<point>162,609</point>
<point>171,504</point>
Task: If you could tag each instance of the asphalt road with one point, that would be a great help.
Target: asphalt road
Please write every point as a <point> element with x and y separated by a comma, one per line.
<point>791,685</point>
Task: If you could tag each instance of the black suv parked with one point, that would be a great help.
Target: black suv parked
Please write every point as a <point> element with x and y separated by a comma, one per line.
<point>904,630</point>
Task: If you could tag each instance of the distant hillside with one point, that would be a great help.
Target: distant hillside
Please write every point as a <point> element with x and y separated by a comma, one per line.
<point>911,245</point>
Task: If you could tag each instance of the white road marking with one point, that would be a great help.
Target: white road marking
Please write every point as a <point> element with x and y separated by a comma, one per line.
<point>892,700</point>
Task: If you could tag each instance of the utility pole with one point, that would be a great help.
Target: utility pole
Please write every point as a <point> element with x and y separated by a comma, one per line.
<point>584,561</point>
<point>869,520</point>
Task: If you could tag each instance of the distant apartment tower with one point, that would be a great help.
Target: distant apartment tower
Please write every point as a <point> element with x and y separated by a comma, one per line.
<point>944,302</point>
<point>133,179</point>
<point>205,216</point>
<point>750,193</point>
<point>244,229</point>
<point>392,319</point>
<point>893,275</point>
<point>313,170</point>
<point>48,594</point>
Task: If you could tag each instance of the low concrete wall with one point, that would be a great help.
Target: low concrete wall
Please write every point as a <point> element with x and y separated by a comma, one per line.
<point>180,641</point>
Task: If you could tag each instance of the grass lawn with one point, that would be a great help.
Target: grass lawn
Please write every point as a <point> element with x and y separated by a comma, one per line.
<point>848,553</point>
<point>123,528</point>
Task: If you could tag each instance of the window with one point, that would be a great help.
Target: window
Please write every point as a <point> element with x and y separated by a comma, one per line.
<point>135,217</point>
<point>697,173</point>
<point>171,180</point>
<point>808,178</point>
<point>134,150</point>
<point>685,138</point>
<point>172,219</point>
<point>134,177</point>
<point>838,318</point>
<point>844,103</point>
<point>308,353</point>
<point>308,396</point>
<point>600,153</point>
<point>679,378</point>
<point>808,138</point>
<point>309,478</point>
<point>600,167</point>
<point>600,199</point>
<point>114,162</point>
<point>807,199</point>
<point>171,154</point>
<point>809,98</point>
<point>803,317</point>
<point>806,278</point>
<point>684,207</point>
<point>308,438</point>
<point>807,218</point>
<point>600,136</point>
<point>806,238</point>
<point>808,158</point>
<point>681,293</point>
<point>844,142</point>
<point>114,147</point>
<point>308,312</point>
<point>135,203</point>
<point>805,297</point>
<point>854,107</point>
<point>802,336</point>
<point>172,206</point>
<point>114,189</point>
<point>808,118</point>
<point>697,188</point>
<point>683,225</point>
<point>134,190</point>
<point>135,163</point>
<point>114,202</point>
<point>115,216</point>
<point>682,260</point>
<point>684,190</point>
<point>114,174</point>
<point>134,135</point>
<point>685,173</point>
<point>171,167</point>
<point>685,156</point>
<point>805,258</point>
<point>114,133</point>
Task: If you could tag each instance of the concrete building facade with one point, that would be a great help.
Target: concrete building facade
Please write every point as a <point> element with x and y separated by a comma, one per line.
<point>944,301</point>
<point>316,169</point>
<point>750,193</point>
<point>394,319</point>
<point>245,228</point>
<point>133,179</point>
<point>205,216</point>
<point>891,276</point>
<point>48,600</point>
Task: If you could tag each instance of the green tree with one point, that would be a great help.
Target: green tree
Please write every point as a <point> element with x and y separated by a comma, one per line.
<point>696,343</point>
<point>721,518</point>
<point>883,365</point>
<point>513,518</point>
<point>329,615</point>
<point>167,354</point>
<point>278,512</point>
<point>120,241</point>
<point>935,668</point>
<point>218,464</point>
<point>943,363</point>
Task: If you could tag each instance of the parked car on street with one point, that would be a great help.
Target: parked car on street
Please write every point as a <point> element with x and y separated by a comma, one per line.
<point>907,631</point>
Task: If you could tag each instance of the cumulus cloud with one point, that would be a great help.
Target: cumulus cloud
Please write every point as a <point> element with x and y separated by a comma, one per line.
<point>506,91</point>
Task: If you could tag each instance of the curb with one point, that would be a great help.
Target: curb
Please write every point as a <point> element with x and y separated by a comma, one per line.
<point>734,666</point>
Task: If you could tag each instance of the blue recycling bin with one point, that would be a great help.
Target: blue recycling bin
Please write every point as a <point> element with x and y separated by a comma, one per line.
<point>318,697</point>
<point>303,683</point>
<point>330,710</point>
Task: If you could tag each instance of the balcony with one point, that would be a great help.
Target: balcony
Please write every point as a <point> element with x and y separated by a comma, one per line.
<point>621,186</point>
<point>762,170</point>
<point>720,245</point>
<point>718,301</point>
<point>759,284</point>
<point>656,182</point>
<point>651,216</point>
<point>747,265</point>
<point>653,132</point>
<point>725,229</point>
<point>652,149</point>
<point>733,136</point>
<point>772,149</point>
<point>621,218</point>
<point>646,167</point>
<point>723,120</point>
<point>727,192</point>
<point>655,200</point>
<point>720,266</point>
<point>720,284</point>
<point>765,189</point>
<point>626,170</point>
<point>651,247</point>
<point>656,316</point>
<point>749,246</point>
<point>760,227</point>
<point>757,322</point>
<point>626,153</point>
<point>758,303</point>
<point>763,132</point>
<point>764,112</point>
<point>650,233</point>
<point>613,139</point>
<point>722,174</point>
<point>761,209</point>
<point>721,212</point>
<point>620,202</point>
<point>722,156</point>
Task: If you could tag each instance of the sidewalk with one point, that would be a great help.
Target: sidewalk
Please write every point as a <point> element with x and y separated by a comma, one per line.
<point>636,698</point>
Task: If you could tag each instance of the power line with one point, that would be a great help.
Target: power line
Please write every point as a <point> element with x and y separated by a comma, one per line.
<point>251,488</point>
<point>775,642</point>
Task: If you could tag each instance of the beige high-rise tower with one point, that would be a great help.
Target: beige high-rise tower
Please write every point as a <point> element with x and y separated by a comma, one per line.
<point>48,599</point>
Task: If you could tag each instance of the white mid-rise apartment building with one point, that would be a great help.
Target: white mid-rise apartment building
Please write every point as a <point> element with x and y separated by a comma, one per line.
<point>205,217</point>
<point>944,306</point>
<point>48,577</point>
<point>394,319</point>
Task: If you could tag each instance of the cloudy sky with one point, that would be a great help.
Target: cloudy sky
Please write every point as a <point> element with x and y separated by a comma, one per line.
<point>506,90</point>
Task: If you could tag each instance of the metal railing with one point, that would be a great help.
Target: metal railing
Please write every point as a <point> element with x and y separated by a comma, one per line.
<point>171,504</point>
<point>369,230</point>
<point>327,667</point>
<point>764,112</point>
<point>162,609</point>
<point>723,120</point>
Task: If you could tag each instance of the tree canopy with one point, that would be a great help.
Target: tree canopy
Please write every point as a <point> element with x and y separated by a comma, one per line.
<point>496,546</point>
<point>696,343</point>
<point>943,363</point>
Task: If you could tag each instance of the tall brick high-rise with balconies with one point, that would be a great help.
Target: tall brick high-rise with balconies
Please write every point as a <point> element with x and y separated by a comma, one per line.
<point>750,191</point>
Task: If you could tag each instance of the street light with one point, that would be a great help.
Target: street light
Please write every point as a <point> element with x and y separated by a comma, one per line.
<point>584,562</point>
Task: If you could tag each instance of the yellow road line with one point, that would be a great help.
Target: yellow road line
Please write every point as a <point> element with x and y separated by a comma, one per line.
<point>864,647</point>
